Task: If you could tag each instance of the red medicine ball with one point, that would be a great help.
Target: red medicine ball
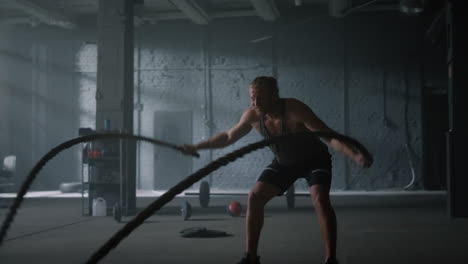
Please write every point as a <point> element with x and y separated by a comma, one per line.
<point>235,209</point>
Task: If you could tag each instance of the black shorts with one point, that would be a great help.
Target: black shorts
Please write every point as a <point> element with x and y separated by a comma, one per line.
<point>316,172</point>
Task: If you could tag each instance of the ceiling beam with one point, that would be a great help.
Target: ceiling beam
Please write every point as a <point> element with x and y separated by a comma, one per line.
<point>342,8</point>
<point>352,9</point>
<point>234,13</point>
<point>266,9</point>
<point>192,10</point>
<point>153,17</point>
<point>46,16</point>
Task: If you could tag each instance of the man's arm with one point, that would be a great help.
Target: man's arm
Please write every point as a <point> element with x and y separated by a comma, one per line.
<point>227,137</point>
<point>314,123</point>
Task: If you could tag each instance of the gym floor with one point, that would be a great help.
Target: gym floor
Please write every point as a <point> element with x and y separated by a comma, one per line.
<point>53,230</point>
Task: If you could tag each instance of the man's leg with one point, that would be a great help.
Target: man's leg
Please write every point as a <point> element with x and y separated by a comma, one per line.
<point>258,197</point>
<point>327,218</point>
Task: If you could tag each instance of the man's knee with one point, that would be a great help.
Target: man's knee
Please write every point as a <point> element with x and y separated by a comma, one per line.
<point>262,193</point>
<point>321,200</point>
<point>257,198</point>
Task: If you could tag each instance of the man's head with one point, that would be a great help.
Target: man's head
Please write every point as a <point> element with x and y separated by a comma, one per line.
<point>263,93</point>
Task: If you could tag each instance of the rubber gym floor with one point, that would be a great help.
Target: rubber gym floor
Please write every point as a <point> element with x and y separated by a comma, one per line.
<point>379,228</point>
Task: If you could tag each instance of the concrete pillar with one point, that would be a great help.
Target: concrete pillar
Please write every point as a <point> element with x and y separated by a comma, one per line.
<point>458,98</point>
<point>114,96</point>
<point>4,96</point>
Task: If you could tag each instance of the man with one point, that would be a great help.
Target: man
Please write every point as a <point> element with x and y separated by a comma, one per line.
<point>303,156</point>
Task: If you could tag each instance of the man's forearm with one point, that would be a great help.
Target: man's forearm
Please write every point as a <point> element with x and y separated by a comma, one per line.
<point>218,141</point>
<point>341,147</point>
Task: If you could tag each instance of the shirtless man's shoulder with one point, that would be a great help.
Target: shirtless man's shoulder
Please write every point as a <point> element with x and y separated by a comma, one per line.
<point>251,116</point>
<point>294,104</point>
<point>296,109</point>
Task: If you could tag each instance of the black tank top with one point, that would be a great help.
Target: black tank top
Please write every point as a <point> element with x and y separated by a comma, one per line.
<point>296,150</point>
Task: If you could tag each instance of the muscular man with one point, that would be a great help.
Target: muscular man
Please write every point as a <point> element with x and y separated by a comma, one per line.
<point>302,156</point>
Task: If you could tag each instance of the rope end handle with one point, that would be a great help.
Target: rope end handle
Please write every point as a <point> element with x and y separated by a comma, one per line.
<point>359,148</point>
<point>352,143</point>
<point>185,152</point>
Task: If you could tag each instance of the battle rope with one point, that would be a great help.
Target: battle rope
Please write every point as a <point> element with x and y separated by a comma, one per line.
<point>52,153</point>
<point>198,175</point>
<point>171,193</point>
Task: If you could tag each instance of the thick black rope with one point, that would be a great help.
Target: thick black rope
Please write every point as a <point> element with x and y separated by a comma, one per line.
<point>52,153</point>
<point>198,175</point>
<point>170,194</point>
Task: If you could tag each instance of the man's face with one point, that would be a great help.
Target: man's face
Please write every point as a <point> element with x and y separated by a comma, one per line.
<point>262,99</point>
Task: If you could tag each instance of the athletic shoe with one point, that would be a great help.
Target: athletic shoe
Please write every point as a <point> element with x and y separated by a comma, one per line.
<point>245,260</point>
<point>331,261</point>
